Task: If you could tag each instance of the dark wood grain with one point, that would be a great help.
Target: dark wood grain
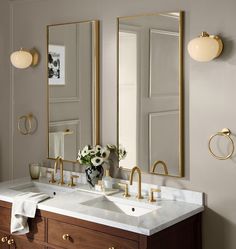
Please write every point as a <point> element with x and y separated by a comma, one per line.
<point>83,238</point>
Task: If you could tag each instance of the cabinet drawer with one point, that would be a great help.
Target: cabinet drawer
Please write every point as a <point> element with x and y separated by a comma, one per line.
<point>83,238</point>
<point>5,217</point>
<point>21,242</point>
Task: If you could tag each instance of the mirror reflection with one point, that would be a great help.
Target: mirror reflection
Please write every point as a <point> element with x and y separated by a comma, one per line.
<point>73,88</point>
<point>150,92</point>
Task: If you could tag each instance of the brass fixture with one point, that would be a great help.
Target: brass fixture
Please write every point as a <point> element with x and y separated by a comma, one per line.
<point>72,184</point>
<point>125,186</point>
<point>27,124</point>
<point>52,179</point>
<point>66,236</point>
<point>225,133</point>
<point>136,168</point>
<point>59,164</point>
<point>68,132</point>
<point>10,242</point>
<point>152,191</point>
<point>112,247</point>
<point>205,47</point>
<point>24,58</point>
<point>161,163</point>
<point>4,239</point>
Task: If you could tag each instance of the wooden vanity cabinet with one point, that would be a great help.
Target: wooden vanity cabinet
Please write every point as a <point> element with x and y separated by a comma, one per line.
<point>52,231</point>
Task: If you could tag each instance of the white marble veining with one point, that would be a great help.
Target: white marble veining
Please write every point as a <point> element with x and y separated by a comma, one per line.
<point>174,206</point>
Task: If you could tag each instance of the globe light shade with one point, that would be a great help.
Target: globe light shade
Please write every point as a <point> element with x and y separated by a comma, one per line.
<point>21,59</point>
<point>205,47</point>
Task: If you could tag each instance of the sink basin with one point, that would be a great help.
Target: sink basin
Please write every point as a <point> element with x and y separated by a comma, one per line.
<point>51,190</point>
<point>121,206</point>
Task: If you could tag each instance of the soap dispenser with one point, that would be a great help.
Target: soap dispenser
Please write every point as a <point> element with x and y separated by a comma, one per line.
<point>107,180</point>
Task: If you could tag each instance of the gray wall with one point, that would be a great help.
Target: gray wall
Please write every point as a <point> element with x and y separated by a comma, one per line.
<point>210,94</point>
<point>5,170</point>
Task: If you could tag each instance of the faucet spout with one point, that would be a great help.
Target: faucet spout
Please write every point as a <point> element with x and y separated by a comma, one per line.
<point>162,163</point>
<point>136,168</point>
<point>59,164</point>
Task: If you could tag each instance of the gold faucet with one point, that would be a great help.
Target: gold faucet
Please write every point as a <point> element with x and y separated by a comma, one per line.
<point>136,168</point>
<point>59,164</point>
<point>161,163</point>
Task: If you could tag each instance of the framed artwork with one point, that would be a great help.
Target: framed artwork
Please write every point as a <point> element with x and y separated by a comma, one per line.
<point>56,65</point>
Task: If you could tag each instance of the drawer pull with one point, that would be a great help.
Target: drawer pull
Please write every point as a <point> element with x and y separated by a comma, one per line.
<point>112,247</point>
<point>10,242</point>
<point>66,236</point>
<point>4,239</point>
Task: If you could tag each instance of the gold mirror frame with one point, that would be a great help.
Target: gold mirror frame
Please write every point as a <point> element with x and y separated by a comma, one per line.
<point>181,93</point>
<point>96,89</point>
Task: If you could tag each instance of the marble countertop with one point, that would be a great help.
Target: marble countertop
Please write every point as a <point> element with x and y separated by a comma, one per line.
<point>174,206</point>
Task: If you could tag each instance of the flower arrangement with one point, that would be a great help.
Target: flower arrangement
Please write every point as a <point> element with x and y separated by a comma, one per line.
<point>97,155</point>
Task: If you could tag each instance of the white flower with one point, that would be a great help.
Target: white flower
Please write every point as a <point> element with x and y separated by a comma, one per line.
<point>96,161</point>
<point>105,153</point>
<point>111,146</point>
<point>122,152</point>
<point>79,155</point>
<point>85,151</point>
<point>98,148</point>
<point>92,152</point>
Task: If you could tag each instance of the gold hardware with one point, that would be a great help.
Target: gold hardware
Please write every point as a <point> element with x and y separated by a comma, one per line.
<point>59,163</point>
<point>125,185</point>
<point>66,236</point>
<point>136,168</point>
<point>112,247</point>
<point>4,239</point>
<point>10,242</point>
<point>225,133</point>
<point>72,184</point>
<point>27,124</point>
<point>68,132</point>
<point>52,179</point>
<point>161,163</point>
<point>151,197</point>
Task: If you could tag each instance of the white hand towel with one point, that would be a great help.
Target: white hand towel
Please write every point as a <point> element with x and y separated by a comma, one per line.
<point>56,144</point>
<point>23,207</point>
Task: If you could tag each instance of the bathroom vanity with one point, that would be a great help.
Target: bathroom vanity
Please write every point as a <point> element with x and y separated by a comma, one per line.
<point>77,219</point>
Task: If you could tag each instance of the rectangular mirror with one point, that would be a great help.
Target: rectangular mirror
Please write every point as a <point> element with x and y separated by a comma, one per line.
<point>73,88</point>
<point>150,92</point>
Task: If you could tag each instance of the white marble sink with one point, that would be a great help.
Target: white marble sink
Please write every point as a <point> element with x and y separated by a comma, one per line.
<point>36,187</point>
<point>124,206</point>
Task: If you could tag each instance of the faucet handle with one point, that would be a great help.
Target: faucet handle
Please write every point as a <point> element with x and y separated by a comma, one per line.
<point>72,177</point>
<point>152,191</point>
<point>52,179</point>
<point>125,185</point>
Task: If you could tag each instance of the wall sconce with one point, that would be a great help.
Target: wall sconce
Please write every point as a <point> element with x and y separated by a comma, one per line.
<point>23,59</point>
<point>205,47</point>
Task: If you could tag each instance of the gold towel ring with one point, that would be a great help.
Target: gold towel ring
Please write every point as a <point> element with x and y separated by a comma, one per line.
<point>225,133</point>
<point>27,119</point>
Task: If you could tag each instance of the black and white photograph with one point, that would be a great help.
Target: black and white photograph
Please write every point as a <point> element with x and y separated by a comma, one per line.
<point>56,65</point>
